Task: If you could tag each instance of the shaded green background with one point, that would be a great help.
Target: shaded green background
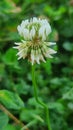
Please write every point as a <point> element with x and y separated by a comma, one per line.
<point>55,77</point>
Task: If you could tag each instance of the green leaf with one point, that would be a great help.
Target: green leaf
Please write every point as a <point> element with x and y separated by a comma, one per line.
<point>2,69</point>
<point>68,46</point>
<point>3,120</point>
<point>55,81</point>
<point>10,58</point>
<point>30,114</point>
<point>11,100</point>
<point>70,105</point>
<point>47,66</point>
<point>10,127</point>
<point>66,27</point>
<point>68,95</point>
<point>8,6</point>
<point>56,106</point>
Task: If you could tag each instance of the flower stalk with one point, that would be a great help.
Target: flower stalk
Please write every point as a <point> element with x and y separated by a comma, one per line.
<point>36,49</point>
<point>38,100</point>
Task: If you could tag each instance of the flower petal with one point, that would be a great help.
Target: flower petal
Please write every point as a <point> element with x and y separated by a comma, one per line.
<point>51,51</point>
<point>50,43</point>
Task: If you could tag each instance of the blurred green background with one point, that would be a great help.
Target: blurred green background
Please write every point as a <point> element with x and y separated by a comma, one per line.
<point>55,77</point>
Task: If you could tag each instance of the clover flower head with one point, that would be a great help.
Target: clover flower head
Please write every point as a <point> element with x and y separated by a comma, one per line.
<point>33,45</point>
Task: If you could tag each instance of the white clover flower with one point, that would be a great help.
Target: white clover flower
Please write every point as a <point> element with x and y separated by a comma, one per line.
<point>34,33</point>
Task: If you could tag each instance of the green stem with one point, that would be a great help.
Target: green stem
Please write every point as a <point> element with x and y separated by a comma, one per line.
<point>38,100</point>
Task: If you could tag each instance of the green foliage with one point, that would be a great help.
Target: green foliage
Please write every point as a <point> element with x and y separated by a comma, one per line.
<point>68,46</point>
<point>10,59</point>
<point>54,78</point>
<point>10,127</point>
<point>11,100</point>
<point>3,120</point>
